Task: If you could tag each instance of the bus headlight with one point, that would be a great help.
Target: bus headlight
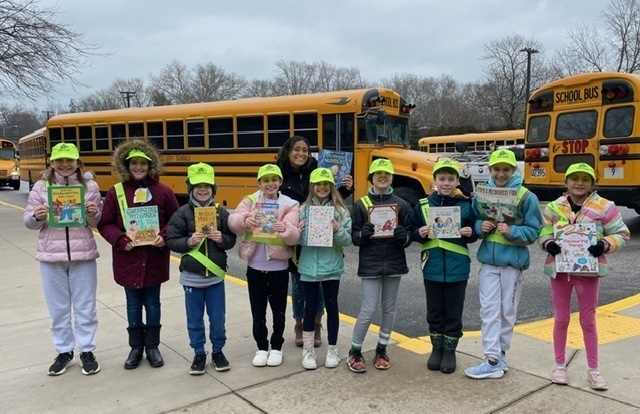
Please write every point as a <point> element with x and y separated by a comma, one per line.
<point>15,175</point>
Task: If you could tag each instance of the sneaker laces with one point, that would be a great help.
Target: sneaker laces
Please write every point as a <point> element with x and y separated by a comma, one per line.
<point>87,357</point>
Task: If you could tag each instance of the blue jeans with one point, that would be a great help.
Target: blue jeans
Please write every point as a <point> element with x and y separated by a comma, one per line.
<point>297,298</point>
<point>149,297</point>
<point>212,298</point>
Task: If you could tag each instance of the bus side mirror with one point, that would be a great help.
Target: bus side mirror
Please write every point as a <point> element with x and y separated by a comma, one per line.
<point>461,146</point>
<point>381,117</point>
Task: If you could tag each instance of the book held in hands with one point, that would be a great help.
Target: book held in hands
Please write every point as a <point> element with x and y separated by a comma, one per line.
<point>143,224</point>
<point>318,230</point>
<point>66,206</point>
<point>265,215</point>
<point>574,241</point>
<point>206,219</point>
<point>384,218</point>
<point>339,162</point>
<point>444,222</point>
<point>498,204</point>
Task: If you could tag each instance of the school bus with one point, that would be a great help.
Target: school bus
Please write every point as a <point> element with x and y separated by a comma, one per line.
<point>591,118</point>
<point>483,141</point>
<point>237,137</point>
<point>9,164</point>
<point>33,156</point>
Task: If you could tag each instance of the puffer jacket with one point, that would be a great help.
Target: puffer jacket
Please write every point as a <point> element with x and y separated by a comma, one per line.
<point>69,243</point>
<point>595,209</point>
<point>381,256</point>
<point>326,263</point>
<point>288,212</point>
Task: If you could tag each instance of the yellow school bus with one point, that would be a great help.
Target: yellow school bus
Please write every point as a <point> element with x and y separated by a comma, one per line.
<point>591,118</point>
<point>33,160</point>
<point>482,141</point>
<point>237,137</point>
<point>9,171</point>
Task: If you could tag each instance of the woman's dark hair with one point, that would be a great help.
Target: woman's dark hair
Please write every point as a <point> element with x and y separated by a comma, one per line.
<point>285,151</point>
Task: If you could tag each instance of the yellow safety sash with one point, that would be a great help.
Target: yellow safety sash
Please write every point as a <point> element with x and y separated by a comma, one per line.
<point>204,260</point>
<point>122,202</point>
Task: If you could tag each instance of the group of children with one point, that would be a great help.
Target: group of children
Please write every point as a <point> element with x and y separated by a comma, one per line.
<point>68,267</point>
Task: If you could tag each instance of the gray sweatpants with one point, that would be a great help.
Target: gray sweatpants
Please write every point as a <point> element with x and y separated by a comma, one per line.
<point>67,286</point>
<point>382,290</point>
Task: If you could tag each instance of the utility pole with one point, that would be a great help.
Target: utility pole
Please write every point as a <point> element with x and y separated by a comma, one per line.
<point>529,51</point>
<point>49,114</point>
<point>127,96</point>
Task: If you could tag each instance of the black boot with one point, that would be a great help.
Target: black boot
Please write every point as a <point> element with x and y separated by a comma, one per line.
<point>448,364</point>
<point>136,342</point>
<point>151,342</point>
<point>435,359</point>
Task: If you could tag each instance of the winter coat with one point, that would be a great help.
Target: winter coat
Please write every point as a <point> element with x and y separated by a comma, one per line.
<point>325,263</point>
<point>444,265</point>
<point>381,256</point>
<point>595,209</point>
<point>288,212</point>
<point>62,244</point>
<point>183,224</point>
<point>523,232</point>
<point>142,266</point>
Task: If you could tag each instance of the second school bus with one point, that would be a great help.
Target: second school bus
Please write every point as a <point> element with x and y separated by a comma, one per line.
<point>592,118</point>
<point>237,137</point>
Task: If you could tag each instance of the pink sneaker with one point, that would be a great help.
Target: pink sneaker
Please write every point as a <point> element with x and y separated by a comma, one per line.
<point>559,376</point>
<point>597,381</point>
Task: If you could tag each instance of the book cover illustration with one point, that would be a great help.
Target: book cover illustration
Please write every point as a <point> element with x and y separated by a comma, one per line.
<point>318,230</point>
<point>384,218</point>
<point>206,219</point>
<point>339,162</point>
<point>574,240</point>
<point>498,204</point>
<point>444,222</point>
<point>265,214</point>
<point>142,224</point>
<point>66,206</point>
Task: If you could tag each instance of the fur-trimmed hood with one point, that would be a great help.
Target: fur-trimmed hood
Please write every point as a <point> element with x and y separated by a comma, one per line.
<point>120,164</point>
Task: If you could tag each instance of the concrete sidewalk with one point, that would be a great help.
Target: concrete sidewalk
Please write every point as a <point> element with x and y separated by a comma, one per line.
<point>26,352</point>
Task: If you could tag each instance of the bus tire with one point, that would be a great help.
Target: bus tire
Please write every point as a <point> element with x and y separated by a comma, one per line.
<point>16,185</point>
<point>408,194</point>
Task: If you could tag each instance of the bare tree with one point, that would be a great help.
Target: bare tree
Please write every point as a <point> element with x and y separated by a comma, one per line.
<point>296,77</point>
<point>36,53</point>
<point>120,94</point>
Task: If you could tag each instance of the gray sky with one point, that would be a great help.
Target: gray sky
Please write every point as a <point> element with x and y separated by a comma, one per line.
<point>380,38</point>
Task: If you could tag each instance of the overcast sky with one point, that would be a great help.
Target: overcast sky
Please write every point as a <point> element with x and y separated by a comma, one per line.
<point>380,38</point>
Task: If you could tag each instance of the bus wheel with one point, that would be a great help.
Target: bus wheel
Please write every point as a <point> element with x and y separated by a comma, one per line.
<point>16,185</point>
<point>408,194</point>
<point>637,209</point>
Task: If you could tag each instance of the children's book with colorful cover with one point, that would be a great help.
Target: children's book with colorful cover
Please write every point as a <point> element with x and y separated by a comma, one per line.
<point>384,218</point>
<point>339,162</point>
<point>318,230</point>
<point>574,241</point>
<point>265,214</point>
<point>206,219</point>
<point>143,224</point>
<point>497,203</point>
<point>444,222</point>
<point>66,206</point>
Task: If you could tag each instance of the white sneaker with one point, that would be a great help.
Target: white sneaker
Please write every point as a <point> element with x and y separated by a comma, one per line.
<point>309,359</point>
<point>333,360</point>
<point>261,358</point>
<point>275,358</point>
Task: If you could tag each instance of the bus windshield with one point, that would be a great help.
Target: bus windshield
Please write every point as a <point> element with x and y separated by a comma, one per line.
<point>393,130</point>
<point>7,153</point>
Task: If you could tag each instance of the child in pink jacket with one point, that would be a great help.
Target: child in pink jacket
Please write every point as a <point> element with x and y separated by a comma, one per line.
<point>268,220</point>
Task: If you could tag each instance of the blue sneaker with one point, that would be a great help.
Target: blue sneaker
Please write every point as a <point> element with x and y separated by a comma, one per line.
<point>503,363</point>
<point>485,370</point>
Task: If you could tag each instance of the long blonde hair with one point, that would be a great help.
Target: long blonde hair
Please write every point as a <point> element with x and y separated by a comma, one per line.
<point>334,197</point>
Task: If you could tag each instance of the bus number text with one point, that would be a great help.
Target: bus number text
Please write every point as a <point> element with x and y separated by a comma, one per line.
<point>575,147</point>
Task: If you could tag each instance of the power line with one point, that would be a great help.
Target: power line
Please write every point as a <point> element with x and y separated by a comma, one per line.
<point>127,96</point>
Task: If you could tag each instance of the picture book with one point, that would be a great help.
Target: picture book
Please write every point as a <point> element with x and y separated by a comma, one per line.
<point>265,214</point>
<point>318,230</point>
<point>444,222</point>
<point>574,240</point>
<point>206,219</point>
<point>142,224</point>
<point>339,162</point>
<point>497,204</point>
<point>384,218</point>
<point>66,206</point>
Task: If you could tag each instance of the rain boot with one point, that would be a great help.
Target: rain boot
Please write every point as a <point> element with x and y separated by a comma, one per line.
<point>435,359</point>
<point>136,342</point>
<point>448,364</point>
<point>151,342</point>
<point>298,332</point>
<point>317,338</point>
<point>308,354</point>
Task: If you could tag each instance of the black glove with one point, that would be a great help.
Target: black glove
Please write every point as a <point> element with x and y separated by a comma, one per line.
<point>400,235</point>
<point>597,249</point>
<point>553,248</point>
<point>367,230</point>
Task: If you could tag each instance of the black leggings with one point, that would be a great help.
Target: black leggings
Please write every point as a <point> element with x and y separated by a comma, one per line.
<point>330,290</point>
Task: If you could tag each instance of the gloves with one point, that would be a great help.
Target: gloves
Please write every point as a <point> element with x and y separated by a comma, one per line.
<point>597,249</point>
<point>400,235</point>
<point>553,248</point>
<point>367,230</point>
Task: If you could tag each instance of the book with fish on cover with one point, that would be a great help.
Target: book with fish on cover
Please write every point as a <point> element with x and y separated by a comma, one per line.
<point>499,204</point>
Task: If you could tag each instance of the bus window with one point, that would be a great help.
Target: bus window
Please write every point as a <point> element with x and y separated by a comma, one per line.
<point>118,134</point>
<point>102,137</point>
<point>538,130</point>
<point>278,130</point>
<point>306,125</point>
<point>175,134</point>
<point>618,122</point>
<point>155,133</point>
<point>195,133</point>
<point>85,138</point>
<point>70,135</point>
<point>576,125</point>
<point>251,132</point>
<point>55,136</point>
<point>221,133</point>
<point>562,162</point>
<point>136,130</point>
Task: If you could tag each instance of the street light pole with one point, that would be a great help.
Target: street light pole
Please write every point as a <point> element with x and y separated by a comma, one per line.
<point>529,51</point>
<point>7,126</point>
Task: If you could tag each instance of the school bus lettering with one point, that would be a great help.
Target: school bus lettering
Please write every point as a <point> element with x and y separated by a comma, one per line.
<point>575,147</point>
<point>578,95</point>
<point>390,102</point>
<point>183,157</point>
